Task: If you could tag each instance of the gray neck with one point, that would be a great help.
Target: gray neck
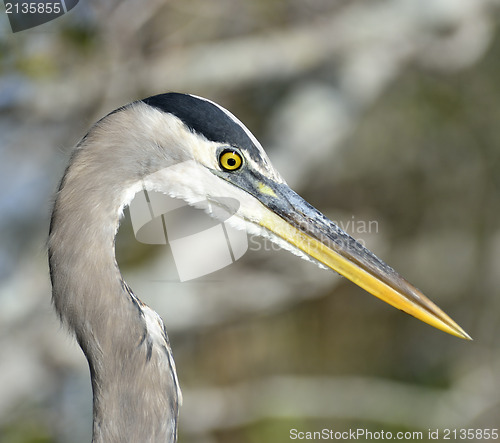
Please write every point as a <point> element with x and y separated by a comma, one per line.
<point>135,389</point>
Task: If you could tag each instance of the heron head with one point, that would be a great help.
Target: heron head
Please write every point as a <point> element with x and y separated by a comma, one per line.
<point>217,157</point>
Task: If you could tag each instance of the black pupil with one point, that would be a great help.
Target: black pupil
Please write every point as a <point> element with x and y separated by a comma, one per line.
<point>231,162</point>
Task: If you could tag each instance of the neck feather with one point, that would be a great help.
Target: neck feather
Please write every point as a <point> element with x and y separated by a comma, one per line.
<point>135,388</point>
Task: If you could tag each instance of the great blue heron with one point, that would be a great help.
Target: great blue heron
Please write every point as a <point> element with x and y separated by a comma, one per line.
<point>193,149</point>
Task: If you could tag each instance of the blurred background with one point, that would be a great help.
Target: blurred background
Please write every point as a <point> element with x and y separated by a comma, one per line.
<point>383,114</point>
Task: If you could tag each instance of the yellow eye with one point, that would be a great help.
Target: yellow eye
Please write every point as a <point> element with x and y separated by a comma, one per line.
<point>230,160</point>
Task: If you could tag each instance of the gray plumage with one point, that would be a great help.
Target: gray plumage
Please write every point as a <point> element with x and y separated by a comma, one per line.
<point>135,388</point>
<point>176,144</point>
<point>160,144</point>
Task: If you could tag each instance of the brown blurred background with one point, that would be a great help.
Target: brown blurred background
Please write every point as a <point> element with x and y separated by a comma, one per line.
<point>384,115</point>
